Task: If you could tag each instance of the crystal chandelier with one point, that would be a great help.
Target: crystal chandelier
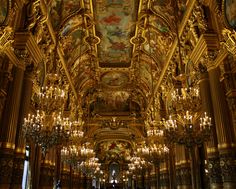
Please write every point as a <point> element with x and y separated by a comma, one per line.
<point>153,153</point>
<point>153,129</point>
<point>52,97</point>
<point>76,133</point>
<point>70,155</point>
<point>90,166</point>
<point>48,127</point>
<point>42,130</point>
<point>137,164</point>
<point>188,131</point>
<point>86,151</point>
<point>186,99</point>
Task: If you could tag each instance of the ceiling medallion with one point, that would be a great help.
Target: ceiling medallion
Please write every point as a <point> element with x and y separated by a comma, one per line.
<point>115,79</point>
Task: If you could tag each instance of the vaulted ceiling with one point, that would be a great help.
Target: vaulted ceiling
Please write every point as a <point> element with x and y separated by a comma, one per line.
<point>113,53</point>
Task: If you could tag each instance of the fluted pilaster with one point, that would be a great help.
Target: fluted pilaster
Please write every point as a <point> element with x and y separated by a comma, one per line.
<point>212,145</point>
<point>8,132</point>
<point>183,169</point>
<point>5,77</point>
<point>20,140</point>
<point>47,171</point>
<point>224,130</point>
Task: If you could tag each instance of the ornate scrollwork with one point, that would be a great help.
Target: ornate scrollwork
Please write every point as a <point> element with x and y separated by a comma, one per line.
<point>228,167</point>
<point>229,42</point>
<point>209,58</point>
<point>214,170</point>
<point>31,13</point>
<point>114,123</point>
<point>6,167</point>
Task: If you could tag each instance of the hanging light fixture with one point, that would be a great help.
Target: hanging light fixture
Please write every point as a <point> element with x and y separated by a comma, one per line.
<point>184,126</point>
<point>153,153</point>
<point>188,131</point>
<point>48,128</point>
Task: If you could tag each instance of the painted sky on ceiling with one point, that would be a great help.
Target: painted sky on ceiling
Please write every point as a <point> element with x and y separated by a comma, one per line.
<point>114,22</point>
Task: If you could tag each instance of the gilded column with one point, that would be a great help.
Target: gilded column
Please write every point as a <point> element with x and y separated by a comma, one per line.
<point>164,176</point>
<point>35,164</point>
<point>212,149</point>
<point>171,167</point>
<point>46,174</point>
<point>8,132</point>
<point>65,176</point>
<point>183,169</point>
<point>20,140</point>
<point>5,77</point>
<point>225,133</point>
<point>229,78</point>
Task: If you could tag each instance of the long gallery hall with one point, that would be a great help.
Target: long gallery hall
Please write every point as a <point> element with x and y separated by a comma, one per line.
<point>117,94</point>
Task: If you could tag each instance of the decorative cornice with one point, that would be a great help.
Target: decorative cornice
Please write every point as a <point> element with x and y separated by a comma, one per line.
<point>26,41</point>
<point>205,43</point>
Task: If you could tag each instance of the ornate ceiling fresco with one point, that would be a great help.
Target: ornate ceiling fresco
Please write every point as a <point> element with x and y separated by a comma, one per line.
<point>119,151</point>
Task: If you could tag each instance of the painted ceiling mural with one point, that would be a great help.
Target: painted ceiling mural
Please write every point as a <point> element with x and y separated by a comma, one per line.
<point>114,150</point>
<point>115,21</point>
<point>60,10</point>
<point>112,101</point>
<point>115,79</point>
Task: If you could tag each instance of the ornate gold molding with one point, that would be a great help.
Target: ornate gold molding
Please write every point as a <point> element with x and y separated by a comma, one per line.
<point>6,35</point>
<point>207,42</point>
<point>229,42</point>
<point>171,53</point>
